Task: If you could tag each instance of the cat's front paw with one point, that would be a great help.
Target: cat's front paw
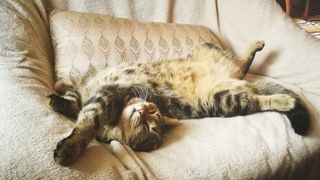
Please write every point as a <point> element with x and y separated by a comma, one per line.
<point>67,151</point>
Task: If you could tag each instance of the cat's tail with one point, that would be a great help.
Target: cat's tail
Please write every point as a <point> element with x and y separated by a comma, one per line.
<point>247,58</point>
<point>299,116</point>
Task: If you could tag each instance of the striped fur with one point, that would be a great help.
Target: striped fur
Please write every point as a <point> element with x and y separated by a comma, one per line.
<point>134,103</point>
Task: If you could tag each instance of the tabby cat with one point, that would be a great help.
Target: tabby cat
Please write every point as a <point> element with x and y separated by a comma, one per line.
<point>135,103</point>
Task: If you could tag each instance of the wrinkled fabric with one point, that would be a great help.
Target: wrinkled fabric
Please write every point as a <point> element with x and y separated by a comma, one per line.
<point>259,146</point>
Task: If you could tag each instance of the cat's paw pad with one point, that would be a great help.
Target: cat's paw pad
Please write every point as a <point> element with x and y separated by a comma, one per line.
<point>259,45</point>
<point>64,106</point>
<point>55,101</point>
<point>67,151</point>
<point>282,102</point>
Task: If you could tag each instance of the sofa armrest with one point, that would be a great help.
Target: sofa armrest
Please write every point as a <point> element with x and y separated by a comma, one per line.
<point>290,55</point>
<point>25,50</point>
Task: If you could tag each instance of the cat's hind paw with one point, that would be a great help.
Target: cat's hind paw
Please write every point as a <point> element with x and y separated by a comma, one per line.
<point>63,106</point>
<point>259,45</point>
<point>282,102</point>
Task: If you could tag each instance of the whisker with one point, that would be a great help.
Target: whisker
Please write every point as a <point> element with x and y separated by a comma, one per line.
<point>166,135</point>
<point>146,95</point>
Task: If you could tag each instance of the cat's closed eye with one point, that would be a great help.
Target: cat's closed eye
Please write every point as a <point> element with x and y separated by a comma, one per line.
<point>157,130</point>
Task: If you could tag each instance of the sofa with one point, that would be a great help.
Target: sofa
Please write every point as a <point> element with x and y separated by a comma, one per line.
<point>257,146</point>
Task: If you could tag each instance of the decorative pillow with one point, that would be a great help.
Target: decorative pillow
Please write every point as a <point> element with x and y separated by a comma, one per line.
<point>86,43</point>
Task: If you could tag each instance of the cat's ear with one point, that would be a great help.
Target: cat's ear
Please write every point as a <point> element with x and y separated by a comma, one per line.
<point>171,121</point>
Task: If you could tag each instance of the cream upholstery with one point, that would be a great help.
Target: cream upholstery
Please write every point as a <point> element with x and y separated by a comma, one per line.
<point>259,146</point>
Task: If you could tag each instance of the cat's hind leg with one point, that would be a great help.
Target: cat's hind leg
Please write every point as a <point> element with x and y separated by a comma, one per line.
<point>247,58</point>
<point>299,116</point>
<point>270,97</point>
<point>213,54</point>
<point>227,103</point>
<point>63,105</point>
<point>67,101</point>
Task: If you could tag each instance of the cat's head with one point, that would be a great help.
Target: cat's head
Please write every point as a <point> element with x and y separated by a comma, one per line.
<point>141,125</point>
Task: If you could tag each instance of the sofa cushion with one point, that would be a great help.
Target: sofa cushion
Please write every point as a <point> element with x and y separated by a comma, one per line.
<point>86,43</point>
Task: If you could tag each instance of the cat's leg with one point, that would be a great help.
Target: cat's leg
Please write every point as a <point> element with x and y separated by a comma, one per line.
<point>215,54</point>
<point>67,101</point>
<point>229,103</point>
<point>104,107</point>
<point>247,58</point>
<point>298,116</point>
<point>90,121</point>
<point>276,102</point>
<point>269,97</point>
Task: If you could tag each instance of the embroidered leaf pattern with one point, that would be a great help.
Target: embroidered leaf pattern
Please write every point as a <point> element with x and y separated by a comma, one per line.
<point>105,48</point>
<point>91,70</point>
<point>89,74</point>
<point>135,47</point>
<point>163,46</point>
<point>149,47</point>
<point>87,47</point>
<point>189,43</point>
<point>74,74</point>
<point>177,46</point>
<point>119,43</point>
<point>115,24</point>
<point>104,44</point>
<point>148,44</point>
<point>120,47</point>
<point>68,25</point>
<point>99,23</point>
<point>83,24</point>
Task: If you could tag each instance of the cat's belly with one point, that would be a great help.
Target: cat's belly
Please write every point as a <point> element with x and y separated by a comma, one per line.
<point>203,87</point>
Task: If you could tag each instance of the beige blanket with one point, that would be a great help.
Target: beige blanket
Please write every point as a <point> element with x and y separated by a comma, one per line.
<point>259,146</point>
